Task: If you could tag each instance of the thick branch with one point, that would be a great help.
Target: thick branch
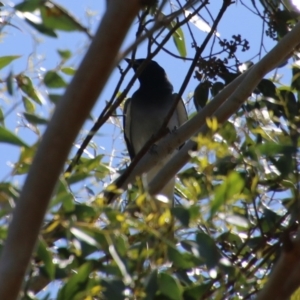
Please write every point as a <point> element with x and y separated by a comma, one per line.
<point>66,122</point>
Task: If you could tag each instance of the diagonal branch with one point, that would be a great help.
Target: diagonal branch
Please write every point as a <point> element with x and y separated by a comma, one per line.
<point>66,122</point>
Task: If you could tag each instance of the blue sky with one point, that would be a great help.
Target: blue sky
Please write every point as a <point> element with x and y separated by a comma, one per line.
<point>25,41</point>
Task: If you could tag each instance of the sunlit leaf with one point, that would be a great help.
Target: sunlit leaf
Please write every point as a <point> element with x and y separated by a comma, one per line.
<point>198,22</point>
<point>56,17</point>
<point>25,84</point>
<point>68,70</point>
<point>230,188</point>
<point>28,105</point>
<point>6,60</point>
<point>178,38</point>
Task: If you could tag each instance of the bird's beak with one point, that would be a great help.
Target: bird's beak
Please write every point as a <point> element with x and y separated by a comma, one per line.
<point>133,64</point>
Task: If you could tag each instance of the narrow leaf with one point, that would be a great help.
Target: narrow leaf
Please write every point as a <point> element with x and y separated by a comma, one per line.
<point>178,38</point>
<point>45,255</point>
<point>68,70</point>
<point>34,119</point>
<point>56,17</point>
<point>28,5</point>
<point>28,105</point>
<point>25,84</point>
<point>6,60</point>
<point>8,137</point>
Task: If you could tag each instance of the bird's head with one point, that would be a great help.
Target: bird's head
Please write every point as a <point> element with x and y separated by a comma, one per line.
<point>151,73</point>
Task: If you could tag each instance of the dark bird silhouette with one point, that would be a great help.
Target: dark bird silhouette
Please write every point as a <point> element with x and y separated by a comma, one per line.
<point>146,111</point>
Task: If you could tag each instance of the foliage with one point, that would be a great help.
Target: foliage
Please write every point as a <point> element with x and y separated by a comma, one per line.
<point>235,200</point>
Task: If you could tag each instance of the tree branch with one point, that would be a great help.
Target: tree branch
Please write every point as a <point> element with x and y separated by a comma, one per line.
<point>66,122</point>
<point>279,53</point>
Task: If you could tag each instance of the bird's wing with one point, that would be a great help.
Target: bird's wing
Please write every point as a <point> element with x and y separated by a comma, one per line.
<point>127,128</point>
<point>180,111</point>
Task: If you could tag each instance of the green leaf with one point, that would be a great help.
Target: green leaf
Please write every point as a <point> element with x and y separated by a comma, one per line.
<point>53,80</point>
<point>10,138</point>
<point>232,186</point>
<point>34,119</point>
<point>151,285</point>
<point>25,160</point>
<point>54,98</point>
<point>216,88</point>
<point>91,236</point>
<point>1,117</point>
<point>201,94</point>
<point>196,292</point>
<point>76,283</point>
<point>271,149</point>
<point>85,213</point>
<point>64,54</point>
<point>169,286</point>
<point>114,289</point>
<point>208,249</point>
<point>267,88</point>
<point>296,78</point>
<point>64,197</point>
<point>40,27</point>
<point>28,105</point>
<point>228,132</point>
<point>28,5</point>
<point>225,164</point>
<point>45,255</point>
<point>178,38</point>
<point>83,236</point>
<point>9,83</point>
<point>68,70</point>
<point>182,260</point>
<point>6,60</point>
<point>56,17</point>
<point>182,214</point>
<point>25,84</point>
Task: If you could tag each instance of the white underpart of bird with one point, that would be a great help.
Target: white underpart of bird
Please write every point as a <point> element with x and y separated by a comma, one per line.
<point>145,114</point>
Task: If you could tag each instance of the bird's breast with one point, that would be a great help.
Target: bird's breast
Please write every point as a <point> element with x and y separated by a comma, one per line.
<point>148,119</point>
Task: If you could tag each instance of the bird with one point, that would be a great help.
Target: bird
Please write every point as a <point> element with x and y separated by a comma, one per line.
<point>146,111</point>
